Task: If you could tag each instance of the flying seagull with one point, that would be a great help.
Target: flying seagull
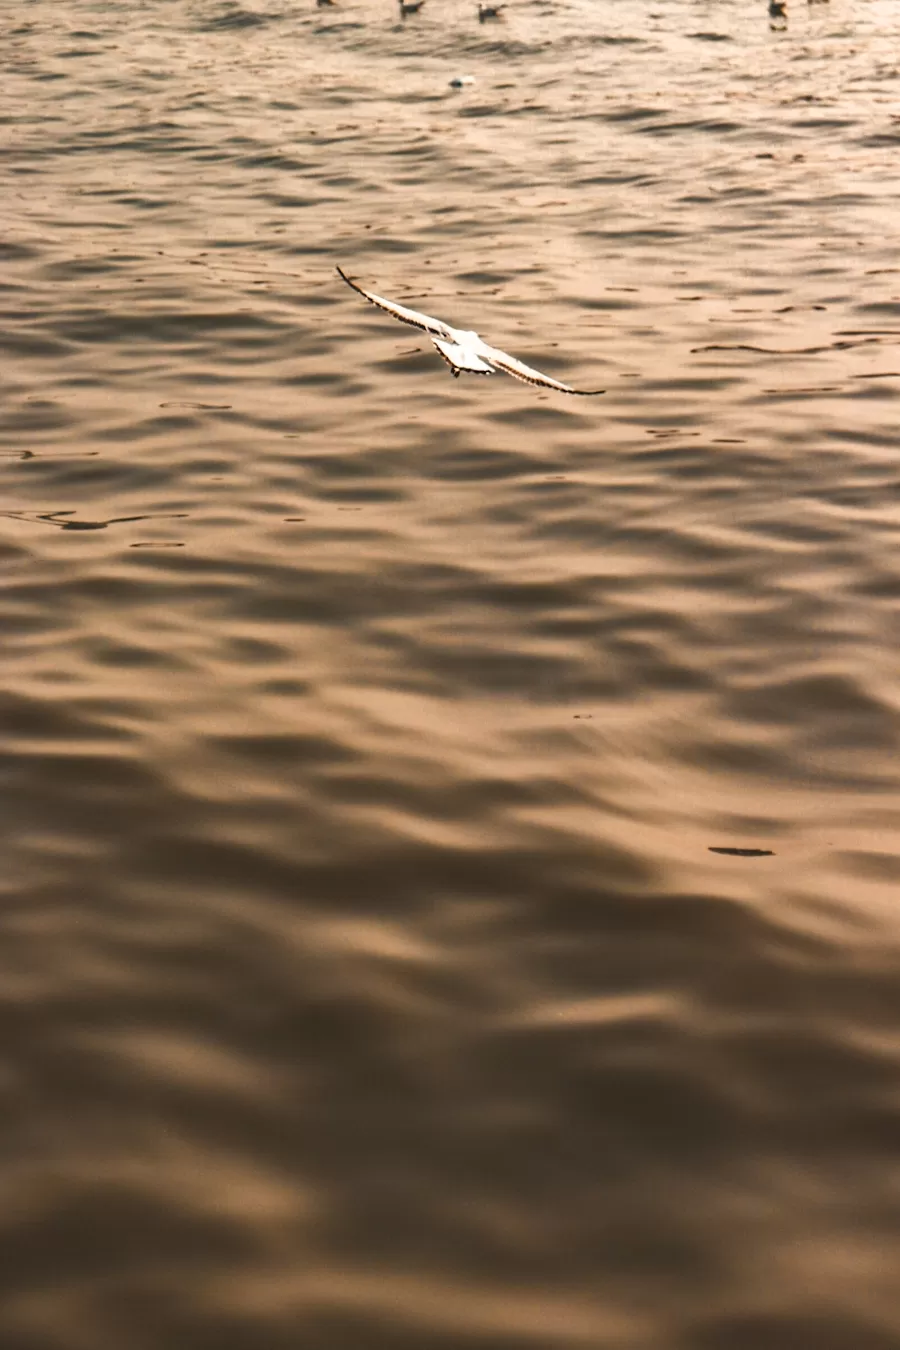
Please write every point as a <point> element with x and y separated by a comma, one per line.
<point>465,351</point>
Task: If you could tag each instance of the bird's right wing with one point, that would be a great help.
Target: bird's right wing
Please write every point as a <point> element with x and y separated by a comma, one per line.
<point>461,358</point>
<point>410,316</point>
<point>510,365</point>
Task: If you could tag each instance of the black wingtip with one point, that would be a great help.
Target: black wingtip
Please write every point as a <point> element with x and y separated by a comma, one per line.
<point>343,276</point>
<point>352,284</point>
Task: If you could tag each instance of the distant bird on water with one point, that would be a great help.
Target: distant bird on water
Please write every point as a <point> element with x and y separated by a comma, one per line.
<point>408,7</point>
<point>325,4</point>
<point>778,9</point>
<point>489,12</point>
<point>463,350</point>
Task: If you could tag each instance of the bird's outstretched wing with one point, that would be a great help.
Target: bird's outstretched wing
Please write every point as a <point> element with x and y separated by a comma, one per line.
<point>462,358</point>
<point>410,316</point>
<point>518,369</point>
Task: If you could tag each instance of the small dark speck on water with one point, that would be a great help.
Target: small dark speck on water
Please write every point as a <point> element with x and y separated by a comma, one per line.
<point>744,852</point>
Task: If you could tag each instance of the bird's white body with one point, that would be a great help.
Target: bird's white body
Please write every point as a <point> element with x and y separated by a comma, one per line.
<point>463,349</point>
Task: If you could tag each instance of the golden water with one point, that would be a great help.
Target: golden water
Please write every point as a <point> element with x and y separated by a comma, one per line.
<point>366,978</point>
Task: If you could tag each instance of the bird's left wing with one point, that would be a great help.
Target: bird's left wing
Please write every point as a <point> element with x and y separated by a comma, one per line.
<point>410,316</point>
<point>518,369</point>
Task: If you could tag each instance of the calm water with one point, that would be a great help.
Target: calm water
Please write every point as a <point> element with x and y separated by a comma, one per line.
<point>367,980</point>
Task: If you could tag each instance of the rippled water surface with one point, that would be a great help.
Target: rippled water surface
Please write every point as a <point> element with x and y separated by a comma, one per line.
<point>368,981</point>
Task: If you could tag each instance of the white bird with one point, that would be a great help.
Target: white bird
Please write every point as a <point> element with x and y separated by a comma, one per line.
<point>463,350</point>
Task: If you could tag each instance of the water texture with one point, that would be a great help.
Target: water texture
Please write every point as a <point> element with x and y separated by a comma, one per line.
<point>450,884</point>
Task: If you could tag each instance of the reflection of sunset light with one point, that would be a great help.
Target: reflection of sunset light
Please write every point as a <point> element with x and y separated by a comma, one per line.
<point>449,829</point>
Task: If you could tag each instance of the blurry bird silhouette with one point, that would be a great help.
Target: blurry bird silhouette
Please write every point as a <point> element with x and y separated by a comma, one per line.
<point>489,12</point>
<point>408,7</point>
